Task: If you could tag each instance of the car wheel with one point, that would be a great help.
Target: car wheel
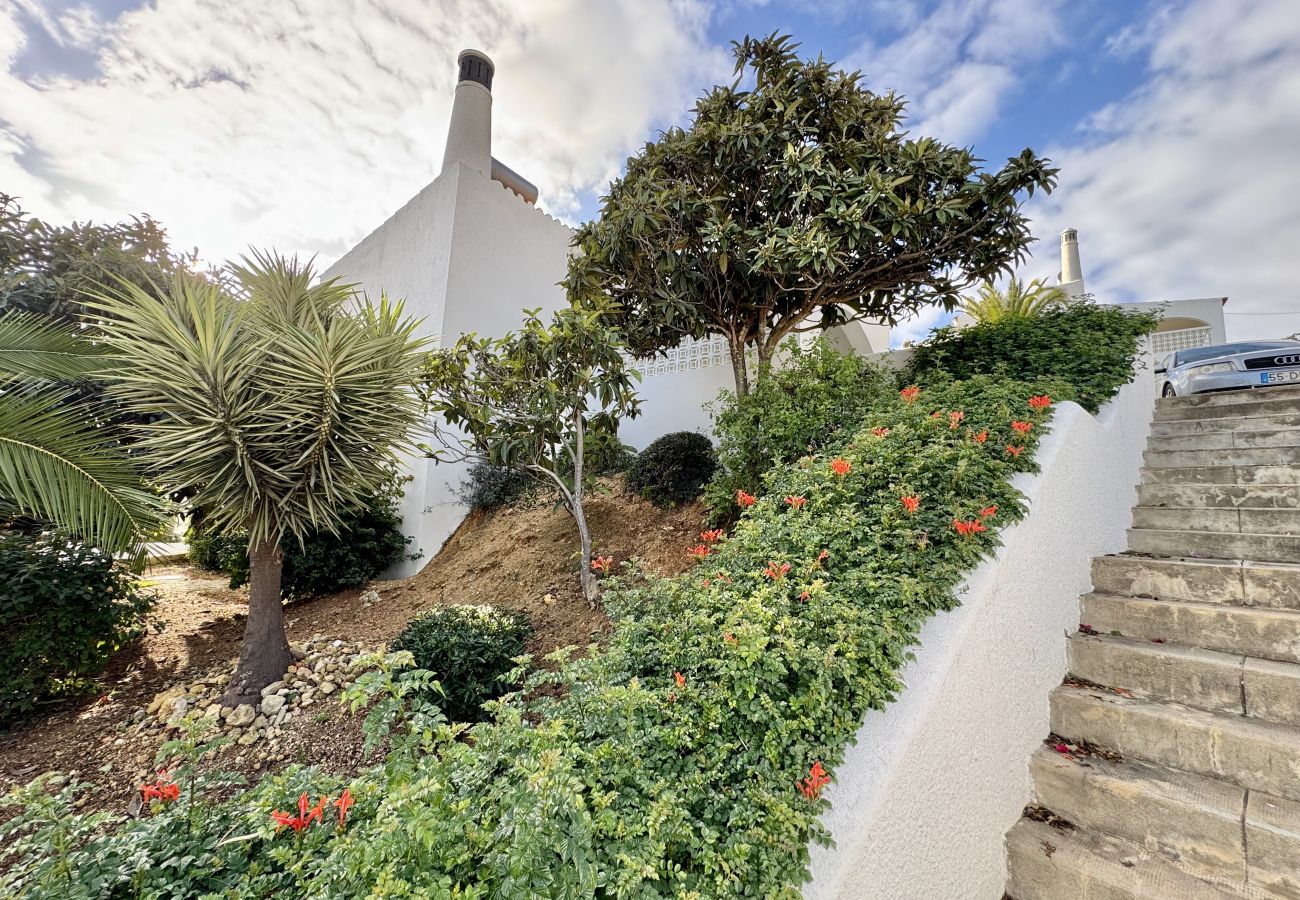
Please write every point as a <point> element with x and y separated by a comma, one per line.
<point>1168,391</point>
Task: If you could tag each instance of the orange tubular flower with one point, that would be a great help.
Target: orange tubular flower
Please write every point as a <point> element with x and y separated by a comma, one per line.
<point>954,418</point>
<point>344,803</point>
<point>880,432</point>
<point>1014,451</point>
<point>821,557</point>
<point>744,499</point>
<point>680,679</point>
<point>699,551</point>
<point>910,393</point>
<point>841,466</point>
<point>989,512</point>
<point>776,571</point>
<point>795,501</point>
<point>1042,401</point>
<point>911,502</point>
<point>966,529</point>
<point>602,564</point>
<point>811,787</point>
<point>1022,427</point>
<point>712,536</point>
<point>980,437</point>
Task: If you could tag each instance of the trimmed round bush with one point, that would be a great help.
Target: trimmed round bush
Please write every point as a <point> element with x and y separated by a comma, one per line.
<point>673,469</point>
<point>489,486</point>
<point>64,609</point>
<point>470,649</point>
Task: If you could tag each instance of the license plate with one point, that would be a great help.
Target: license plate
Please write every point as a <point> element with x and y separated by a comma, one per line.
<point>1279,377</point>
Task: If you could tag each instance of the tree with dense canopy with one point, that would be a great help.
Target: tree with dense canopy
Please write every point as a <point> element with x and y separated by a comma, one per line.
<point>540,400</point>
<point>795,203</point>
<point>1019,300</point>
<point>277,404</point>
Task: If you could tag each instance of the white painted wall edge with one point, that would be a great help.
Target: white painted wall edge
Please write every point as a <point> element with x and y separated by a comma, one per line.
<point>923,798</point>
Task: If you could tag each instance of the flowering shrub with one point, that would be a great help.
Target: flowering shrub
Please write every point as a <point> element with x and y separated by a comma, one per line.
<point>688,756</point>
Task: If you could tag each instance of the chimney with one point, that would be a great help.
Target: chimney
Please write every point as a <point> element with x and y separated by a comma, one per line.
<point>469,138</point>
<point>1071,270</point>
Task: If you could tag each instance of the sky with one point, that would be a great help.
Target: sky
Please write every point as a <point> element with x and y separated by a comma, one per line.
<point>303,126</point>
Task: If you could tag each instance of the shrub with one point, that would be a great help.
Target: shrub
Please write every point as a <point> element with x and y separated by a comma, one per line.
<point>489,486</point>
<point>470,649</point>
<point>673,469</point>
<point>1090,346</point>
<point>369,540</point>
<point>815,398</point>
<point>64,609</point>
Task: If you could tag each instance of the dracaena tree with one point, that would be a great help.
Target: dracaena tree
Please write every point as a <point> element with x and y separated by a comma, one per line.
<point>538,400</point>
<point>1017,301</point>
<point>275,401</point>
<point>794,201</point>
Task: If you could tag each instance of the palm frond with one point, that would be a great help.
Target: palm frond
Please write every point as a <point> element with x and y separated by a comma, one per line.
<point>36,348</point>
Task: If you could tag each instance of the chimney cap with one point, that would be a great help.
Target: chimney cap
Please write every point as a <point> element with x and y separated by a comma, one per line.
<point>476,66</point>
<point>1069,234</point>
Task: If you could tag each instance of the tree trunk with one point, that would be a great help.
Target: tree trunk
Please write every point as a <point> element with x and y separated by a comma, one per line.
<point>589,589</point>
<point>264,652</point>
<point>738,369</point>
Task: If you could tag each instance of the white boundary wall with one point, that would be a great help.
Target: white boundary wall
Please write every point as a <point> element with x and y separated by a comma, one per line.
<point>924,797</point>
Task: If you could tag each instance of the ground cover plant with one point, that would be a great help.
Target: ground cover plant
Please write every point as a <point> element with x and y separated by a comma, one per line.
<point>1091,346</point>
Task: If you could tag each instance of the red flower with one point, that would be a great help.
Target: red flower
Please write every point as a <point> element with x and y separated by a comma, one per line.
<point>811,787</point>
<point>980,437</point>
<point>1061,748</point>
<point>911,502</point>
<point>804,594</point>
<point>1042,401</point>
<point>989,512</point>
<point>710,537</point>
<point>680,679</point>
<point>1022,427</point>
<point>344,803</point>
<point>1014,451</point>
<point>966,529</point>
<point>796,501</point>
<point>318,810</point>
<point>880,432</point>
<point>910,394</point>
<point>161,789</point>
<point>699,551</point>
<point>728,637</point>
<point>936,415</point>
<point>706,582</point>
<point>821,557</point>
<point>841,466</point>
<point>283,819</point>
<point>602,564</point>
<point>776,571</point>
<point>954,418</point>
<point>744,499</point>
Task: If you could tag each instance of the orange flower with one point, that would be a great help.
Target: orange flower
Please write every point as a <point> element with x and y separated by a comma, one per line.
<point>1014,451</point>
<point>1022,427</point>
<point>706,582</point>
<point>980,437</point>
<point>728,637</point>
<point>911,502</point>
<point>699,551</point>
<point>880,432</point>
<point>744,499</point>
<point>795,501</point>
<point>910,393</point>
<point>602,564</point>
<point>776,571</point>
<point>804,594</point>
<point>811,787</point>
<point>841,466</point>
<point>161,789</point>
<point>821,557</point>
<point>680,679</point>
<point>344,803</point>
<point>966,529</point>
<point>954,418</point>
<point>989,512</point>
<point>318,810</point>
<point>711,536</point>
<point>1042,401</point>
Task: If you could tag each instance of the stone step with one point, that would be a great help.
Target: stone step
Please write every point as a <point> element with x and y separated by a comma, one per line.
<point>1241,630</point>
<point>1201,825</point>
<point>1234,398</point>
<point>1222,474</point>
<point>1249,753</point>
<point>1253,404</point>
<point>1226,440</point>
<point>1251,496</point>
<point>1206,679</point>
<point>1265,585</point>
<point>1046,863</point>
<point>1215,544</point>
<point>1228,423</point>
<point>1250,456</point>
<point>1226,521</point>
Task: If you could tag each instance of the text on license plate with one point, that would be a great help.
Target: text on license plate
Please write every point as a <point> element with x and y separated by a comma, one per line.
<point>1279,377</point>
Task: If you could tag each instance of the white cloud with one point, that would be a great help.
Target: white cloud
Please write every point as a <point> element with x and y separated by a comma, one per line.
<point>959,64</point>
<point>1187,187</point>
<point>303,126</point>
<point>917,328</point>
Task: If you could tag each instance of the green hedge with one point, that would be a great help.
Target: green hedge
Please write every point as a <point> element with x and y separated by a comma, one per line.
<point>673,469</point>
<point>1092,347</point>
<point>672,762</point>
<point>64,609</point>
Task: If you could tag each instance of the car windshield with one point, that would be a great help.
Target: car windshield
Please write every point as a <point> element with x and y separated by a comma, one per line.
<point>1197,354</point>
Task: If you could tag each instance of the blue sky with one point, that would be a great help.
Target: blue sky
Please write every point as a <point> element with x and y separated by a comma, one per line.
<point>303,126</point>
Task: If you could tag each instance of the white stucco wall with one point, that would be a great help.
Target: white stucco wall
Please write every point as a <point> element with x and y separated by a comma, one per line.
<point>924,797</point>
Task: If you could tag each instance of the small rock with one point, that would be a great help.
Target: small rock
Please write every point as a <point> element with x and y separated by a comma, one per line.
<point>249,737</point>
<point>243,715</point>
<point>272,688</point>
<point>328,687</point>
<point>213,711</point>
<point>165,699</point>
<point>273,705</point>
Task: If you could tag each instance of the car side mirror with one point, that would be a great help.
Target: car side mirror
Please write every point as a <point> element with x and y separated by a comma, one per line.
<point>1160,370</point>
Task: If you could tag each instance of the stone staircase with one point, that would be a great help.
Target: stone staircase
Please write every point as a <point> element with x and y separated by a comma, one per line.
<point>1180,718</point>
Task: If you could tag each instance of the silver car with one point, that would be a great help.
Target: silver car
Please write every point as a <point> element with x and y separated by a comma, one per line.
<point>1227,367</point>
